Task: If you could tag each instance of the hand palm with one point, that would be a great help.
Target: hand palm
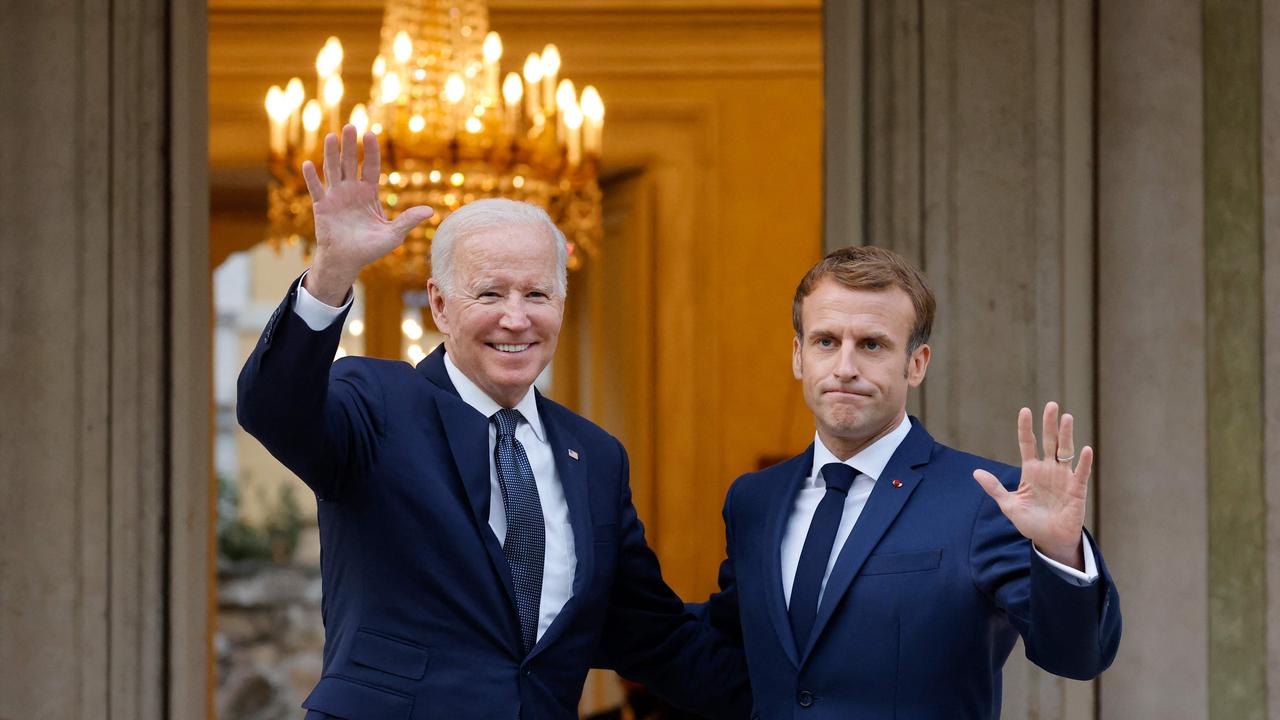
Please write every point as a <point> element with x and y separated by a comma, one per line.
<point>1048,507</point>
<point>351,229</point>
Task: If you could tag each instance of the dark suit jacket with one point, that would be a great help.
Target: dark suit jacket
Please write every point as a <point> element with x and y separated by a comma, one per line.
<point>419,611</point>
<point>923,606</point>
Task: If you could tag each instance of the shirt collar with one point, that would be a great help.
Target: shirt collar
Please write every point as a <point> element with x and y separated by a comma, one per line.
<point>871,461</point>
<point>472,395</point>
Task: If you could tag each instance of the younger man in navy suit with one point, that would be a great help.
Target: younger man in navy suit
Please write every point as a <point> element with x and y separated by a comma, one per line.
<point>880,574</point>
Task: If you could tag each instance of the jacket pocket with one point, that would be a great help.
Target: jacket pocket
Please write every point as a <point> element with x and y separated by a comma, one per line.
<point>354,700</point>
<point>390,655</point>
<point>918,561</point>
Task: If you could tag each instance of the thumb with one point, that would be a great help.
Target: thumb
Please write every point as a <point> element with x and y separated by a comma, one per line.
<point>410,218</point>
<point>992,485</point>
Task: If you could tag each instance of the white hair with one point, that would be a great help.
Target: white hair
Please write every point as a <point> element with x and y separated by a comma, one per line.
<point>489,214</point>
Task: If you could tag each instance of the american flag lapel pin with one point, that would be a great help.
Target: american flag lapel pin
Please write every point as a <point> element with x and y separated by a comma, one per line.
<point>573,454</point>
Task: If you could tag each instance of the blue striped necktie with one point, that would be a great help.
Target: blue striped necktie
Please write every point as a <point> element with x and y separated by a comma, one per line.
<point>817,550</point>
<point>526,542</point>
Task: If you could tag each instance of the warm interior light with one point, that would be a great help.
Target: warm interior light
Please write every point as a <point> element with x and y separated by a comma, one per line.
<point>360,118</point>
<point>592,105</point>
<point>533,68</point>
<point>390,88</point>
<point>356,327</point>
<point>454,88</point>
<point>294,94</point>
<point>457,179</point>
<point>566,95</point>
<point>550,60</point>
<point>379,66</point>
<point>415,353</point>
<point>411,329</point>
<point>492,47</point>
<point>333,90</point>
<point>311,115</point>
<point>275,98</point>
<point>402,47</point>
<point>329,60</point>
<point>417,123</point>
<point>474,126</point>
<point>512,89</point>
<point>572,116</point>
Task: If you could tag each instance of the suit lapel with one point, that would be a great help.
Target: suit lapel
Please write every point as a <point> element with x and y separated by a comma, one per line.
<point>791,477</point>
<point>467,432</point>
<point>886,501</point>
<point>572,470</point>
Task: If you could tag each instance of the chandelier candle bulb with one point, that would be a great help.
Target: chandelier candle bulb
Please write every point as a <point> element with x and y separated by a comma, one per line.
<point>593,121</point>
<point>360,119</point>
<point>572,125</point>
<point>566,97</point>
<point>333,101</point>
<point>311,117</point>
<point>512,94</point>
<point>492,54</point>
<point>550,69</point>
<point>277,115</point>
<point>533,86</point>
<point>295,95</point>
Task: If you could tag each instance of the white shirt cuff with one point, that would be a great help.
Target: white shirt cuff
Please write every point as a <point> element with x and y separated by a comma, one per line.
<point>1071,574</point>
<point>316,314</point>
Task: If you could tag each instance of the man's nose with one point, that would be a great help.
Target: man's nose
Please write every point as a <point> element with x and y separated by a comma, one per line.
<point>847,363</point>
<point>515,315</point>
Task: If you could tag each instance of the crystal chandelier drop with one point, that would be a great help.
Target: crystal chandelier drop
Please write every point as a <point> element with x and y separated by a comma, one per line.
<point>451,129</point>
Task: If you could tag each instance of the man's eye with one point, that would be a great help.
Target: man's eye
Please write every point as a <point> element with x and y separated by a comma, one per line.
<point>538,295</point>
<point>826,342</point>
<point>872,345</point>
<point>489,294</point>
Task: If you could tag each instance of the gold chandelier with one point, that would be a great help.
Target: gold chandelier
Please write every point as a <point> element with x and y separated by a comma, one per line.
<point>450,129</point>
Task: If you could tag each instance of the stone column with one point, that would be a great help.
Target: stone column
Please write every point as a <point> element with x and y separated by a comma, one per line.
<point>978,165</point>
<point>103,361</point>
<point>1187,353</point>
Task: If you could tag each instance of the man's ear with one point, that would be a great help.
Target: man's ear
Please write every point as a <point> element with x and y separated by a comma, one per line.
<point>437,306</point>
<point>797,364</point>
<point>917,365</point>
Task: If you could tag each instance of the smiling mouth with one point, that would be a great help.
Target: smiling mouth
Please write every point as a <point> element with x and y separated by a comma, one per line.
<point>510,347</point>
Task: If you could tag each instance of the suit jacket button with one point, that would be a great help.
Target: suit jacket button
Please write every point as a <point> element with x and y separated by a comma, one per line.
<point>805,698</point>
<point>528,672</point>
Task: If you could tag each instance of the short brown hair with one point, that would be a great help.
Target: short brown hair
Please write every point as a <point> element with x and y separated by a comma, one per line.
<point>866,267</point>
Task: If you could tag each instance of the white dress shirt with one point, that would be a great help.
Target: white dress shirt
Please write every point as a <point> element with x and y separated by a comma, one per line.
<point>869,463</point>
<point>561,559</point>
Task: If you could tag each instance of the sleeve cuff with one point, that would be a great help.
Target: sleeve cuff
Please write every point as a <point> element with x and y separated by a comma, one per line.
<point>1070,574</point>
<point>317,315</point>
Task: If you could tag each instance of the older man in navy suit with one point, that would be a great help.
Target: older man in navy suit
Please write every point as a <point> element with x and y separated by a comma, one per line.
<point>479,544</point>
<point>871,576</point>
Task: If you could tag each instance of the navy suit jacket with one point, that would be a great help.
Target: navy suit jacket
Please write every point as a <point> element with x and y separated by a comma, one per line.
<point>924,603</point>
<point>418,605</point>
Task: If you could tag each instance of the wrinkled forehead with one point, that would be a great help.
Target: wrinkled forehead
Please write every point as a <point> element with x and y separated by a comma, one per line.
<point>527,250</point>
<point>834,308</point>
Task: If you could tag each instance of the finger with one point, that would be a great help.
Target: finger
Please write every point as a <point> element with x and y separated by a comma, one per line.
<point>372,159</point>
<point>1085,466</point>
<point>1066,444</point>
<point>410,218</point>
<point>1049,427</point>
<point>350,152</point>
<point>1026,437</point>
<point>331,172</point>
<point>991,484</point>
<point>314,185</point>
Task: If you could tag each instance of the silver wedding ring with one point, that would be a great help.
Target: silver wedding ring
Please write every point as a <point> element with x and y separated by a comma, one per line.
<point>1067,459</point>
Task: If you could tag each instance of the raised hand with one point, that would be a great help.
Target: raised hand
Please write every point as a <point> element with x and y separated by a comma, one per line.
<point>1048,506</point>
<point>351,230</point>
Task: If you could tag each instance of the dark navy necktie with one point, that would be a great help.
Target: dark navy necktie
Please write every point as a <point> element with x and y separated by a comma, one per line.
<point>526,543</point>
<point>817,551</point>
